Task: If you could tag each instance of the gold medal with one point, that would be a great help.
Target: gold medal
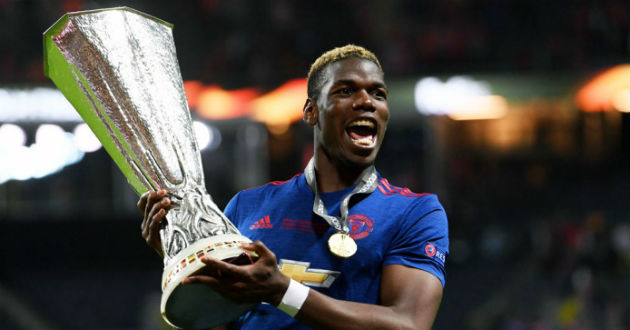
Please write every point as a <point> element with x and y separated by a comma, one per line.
<point>342,245</point>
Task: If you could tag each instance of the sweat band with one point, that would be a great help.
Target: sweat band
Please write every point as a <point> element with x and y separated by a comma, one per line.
<point>294,298</point>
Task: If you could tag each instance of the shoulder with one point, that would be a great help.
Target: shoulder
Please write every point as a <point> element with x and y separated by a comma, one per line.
<point>253,199</point>
<point>420,239</point>
<point>414,211</point>
<point>272,187</point>
<point>404,197</point>
<point>389,189</point>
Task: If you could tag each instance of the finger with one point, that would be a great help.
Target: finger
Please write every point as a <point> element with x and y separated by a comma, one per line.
<point>154,197</point>
<point>155,215</point>
<point>145,225</point>
<point>153,226</point>
<point>209,280</point>
<point>226,269</point>
<point>159,209</point>
<point>260,248</point>
<point>142,202</point>
<point>144,198</point>
<point>222,285</point>
<point>147,203</point>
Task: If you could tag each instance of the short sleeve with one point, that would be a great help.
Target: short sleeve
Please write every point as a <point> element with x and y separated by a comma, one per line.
<point>422,241</point>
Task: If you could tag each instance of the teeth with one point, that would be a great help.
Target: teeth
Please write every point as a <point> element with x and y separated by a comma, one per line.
<point>366,141</point>
<point>362,122</point>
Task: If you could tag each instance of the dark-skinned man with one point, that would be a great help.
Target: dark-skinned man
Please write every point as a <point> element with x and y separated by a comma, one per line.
<point>350,250</point>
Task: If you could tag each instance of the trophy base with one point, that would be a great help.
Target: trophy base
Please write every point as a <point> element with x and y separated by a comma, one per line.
<point>197,306</point>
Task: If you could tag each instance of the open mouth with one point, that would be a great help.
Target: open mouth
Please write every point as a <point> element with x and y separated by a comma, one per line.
<point>362,132</point>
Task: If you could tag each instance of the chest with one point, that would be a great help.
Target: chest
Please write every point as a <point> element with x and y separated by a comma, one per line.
<point>295,234</point>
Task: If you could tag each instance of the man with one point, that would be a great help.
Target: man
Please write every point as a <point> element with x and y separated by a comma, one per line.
<point>353,251</point>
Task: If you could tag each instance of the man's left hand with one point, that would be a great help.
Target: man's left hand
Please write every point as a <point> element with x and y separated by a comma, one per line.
<point>261,281</point>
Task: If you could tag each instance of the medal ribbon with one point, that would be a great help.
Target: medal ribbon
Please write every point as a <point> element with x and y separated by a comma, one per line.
<point>367,184</point>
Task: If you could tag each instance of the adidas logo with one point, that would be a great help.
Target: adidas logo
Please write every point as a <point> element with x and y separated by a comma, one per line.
<point>262,223</point>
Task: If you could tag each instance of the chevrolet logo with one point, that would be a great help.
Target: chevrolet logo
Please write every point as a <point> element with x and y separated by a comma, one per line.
<point>300,272</point>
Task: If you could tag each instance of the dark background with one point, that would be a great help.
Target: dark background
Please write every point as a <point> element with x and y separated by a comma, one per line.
<point>539,227</point>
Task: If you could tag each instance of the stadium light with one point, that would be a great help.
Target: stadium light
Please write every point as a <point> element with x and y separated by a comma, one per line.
<point>459,97</point>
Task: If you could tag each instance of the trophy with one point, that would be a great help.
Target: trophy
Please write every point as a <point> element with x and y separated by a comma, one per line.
<point>118,68</point>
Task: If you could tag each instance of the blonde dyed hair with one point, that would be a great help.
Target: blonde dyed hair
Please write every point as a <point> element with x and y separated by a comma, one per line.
<point>316,77</point>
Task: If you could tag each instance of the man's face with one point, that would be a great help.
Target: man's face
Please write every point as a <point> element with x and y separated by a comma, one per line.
<point>353,112</point>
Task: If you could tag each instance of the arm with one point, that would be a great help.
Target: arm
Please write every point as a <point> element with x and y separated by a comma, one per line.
<point>409,297</point>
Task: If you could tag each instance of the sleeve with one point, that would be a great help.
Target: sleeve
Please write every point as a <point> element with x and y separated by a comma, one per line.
<point>422,241</point>
<point>231,210</point>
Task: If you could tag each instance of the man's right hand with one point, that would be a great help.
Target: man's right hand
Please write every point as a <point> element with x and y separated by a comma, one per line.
<point>154,205</point>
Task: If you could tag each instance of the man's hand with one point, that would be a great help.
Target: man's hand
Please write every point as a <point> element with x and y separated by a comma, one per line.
<point>261,281</point>
<point>154,205</point>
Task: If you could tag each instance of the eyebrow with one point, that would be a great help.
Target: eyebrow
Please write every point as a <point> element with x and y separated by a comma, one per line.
<point>351,82</point>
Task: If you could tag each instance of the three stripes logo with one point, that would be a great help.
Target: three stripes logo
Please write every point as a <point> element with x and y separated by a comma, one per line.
<point>262,223</point>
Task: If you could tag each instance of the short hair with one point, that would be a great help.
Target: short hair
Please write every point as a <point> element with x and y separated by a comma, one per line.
<point>315,78</point>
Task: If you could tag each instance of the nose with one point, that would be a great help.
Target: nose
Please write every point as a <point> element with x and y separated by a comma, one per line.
<point>363,101</point>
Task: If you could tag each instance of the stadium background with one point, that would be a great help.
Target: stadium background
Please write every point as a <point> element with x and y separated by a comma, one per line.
<point>536,190</point>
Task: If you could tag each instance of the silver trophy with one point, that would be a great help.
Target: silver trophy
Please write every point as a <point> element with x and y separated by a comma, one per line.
<point>118,68</point>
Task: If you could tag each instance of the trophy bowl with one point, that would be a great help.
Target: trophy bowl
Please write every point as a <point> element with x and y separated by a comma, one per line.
<point>118,68</point>
<point>177,299</point>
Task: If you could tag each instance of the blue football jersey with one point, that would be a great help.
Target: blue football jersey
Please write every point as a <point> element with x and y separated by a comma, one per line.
<point>392,225</point>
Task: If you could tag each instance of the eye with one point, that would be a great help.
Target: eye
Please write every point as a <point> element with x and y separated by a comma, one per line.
<point>345,91</point>
<point>380,94</point>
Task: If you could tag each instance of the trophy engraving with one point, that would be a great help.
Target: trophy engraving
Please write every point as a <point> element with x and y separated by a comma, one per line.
<point>118,67</point>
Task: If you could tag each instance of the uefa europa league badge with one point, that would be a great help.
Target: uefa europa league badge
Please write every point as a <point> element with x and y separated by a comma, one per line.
<point>118,68</point>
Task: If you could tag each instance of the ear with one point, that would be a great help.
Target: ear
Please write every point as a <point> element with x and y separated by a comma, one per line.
<point>311,113</point>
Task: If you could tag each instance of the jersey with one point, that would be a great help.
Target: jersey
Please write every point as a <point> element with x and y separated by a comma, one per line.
<point>392,225</point>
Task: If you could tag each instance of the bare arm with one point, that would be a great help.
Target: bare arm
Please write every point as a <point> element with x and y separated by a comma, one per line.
<point>409,297</point>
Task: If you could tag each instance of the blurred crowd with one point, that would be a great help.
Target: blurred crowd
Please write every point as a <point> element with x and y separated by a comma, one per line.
<point>241,43</point>
<point>550,257</point>
<point>566,273</point>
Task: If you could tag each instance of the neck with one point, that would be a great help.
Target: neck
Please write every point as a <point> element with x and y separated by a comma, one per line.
<point>332,175</point>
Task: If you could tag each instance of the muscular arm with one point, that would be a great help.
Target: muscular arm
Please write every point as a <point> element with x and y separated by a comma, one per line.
<point>409,300</point>
<point>409,297</point>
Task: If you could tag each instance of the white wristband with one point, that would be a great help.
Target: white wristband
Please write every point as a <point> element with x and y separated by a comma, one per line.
<point>294,298</point>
